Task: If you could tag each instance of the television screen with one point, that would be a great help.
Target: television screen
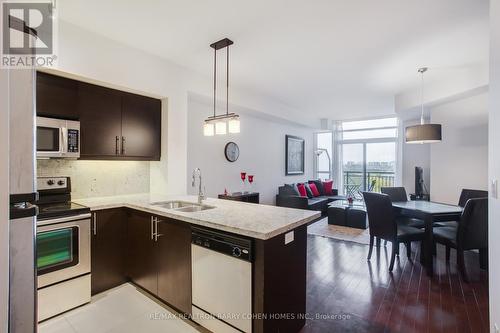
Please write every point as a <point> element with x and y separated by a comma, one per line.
<point>419,181</point>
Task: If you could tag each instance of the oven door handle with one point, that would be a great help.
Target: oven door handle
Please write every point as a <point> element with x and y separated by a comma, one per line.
<point>63,219</point>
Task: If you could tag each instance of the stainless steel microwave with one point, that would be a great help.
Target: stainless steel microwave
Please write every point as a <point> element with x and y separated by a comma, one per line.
<point>57,138</point>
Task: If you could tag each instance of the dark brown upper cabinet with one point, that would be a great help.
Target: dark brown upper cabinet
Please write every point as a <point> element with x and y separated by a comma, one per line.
<point>100,121</point>
<point>56,96</point>
<point>115,125</point>
<point>141,126</point>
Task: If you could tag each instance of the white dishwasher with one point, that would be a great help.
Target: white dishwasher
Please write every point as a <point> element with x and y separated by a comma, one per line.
<point>222,281</point>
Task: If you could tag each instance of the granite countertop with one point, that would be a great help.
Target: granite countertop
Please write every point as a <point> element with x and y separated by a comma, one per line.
<point>247,219</point>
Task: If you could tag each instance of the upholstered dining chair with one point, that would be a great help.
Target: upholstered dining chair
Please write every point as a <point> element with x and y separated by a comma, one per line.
<point>399,194</point>
<point>383,225</point>
<point>395,193</point>
<point>465,195</point>
<point>471,233</point>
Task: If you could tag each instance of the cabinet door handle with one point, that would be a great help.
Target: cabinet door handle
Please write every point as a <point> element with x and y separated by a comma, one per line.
<point>157,234</point>
<point>123,145</point>
<point>117,145</point>
<point>95,224</point>
<point>152,227</point>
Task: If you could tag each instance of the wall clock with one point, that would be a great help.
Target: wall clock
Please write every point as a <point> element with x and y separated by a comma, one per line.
<point>232,151</point>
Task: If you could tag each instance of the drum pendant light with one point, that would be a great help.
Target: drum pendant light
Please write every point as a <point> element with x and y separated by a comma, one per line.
<point>423,133</point>
<point>228,122</point>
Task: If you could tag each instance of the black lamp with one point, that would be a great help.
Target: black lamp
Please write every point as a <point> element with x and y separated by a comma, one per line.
<point>423,133</point>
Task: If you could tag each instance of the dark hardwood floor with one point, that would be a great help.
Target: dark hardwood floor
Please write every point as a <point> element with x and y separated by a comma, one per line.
<point>365,297</point>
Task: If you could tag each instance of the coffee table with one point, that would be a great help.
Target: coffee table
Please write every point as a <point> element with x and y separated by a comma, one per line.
<point>342,213</point>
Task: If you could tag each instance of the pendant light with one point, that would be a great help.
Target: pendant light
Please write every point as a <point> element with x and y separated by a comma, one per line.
<point>228,122</point>
<point>423,133</point>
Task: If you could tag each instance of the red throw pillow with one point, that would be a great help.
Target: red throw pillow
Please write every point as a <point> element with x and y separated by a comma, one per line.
<point>328,186</point>
<point>302,190</point>
<point>314,189</point>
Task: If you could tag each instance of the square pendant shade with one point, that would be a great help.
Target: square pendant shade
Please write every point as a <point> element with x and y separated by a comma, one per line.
<point>234,125</point>
<point>208,129</point>
<point>426,133</point>
<point>221,127</point>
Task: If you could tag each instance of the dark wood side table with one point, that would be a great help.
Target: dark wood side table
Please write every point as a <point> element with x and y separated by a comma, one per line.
<point>252,197</point>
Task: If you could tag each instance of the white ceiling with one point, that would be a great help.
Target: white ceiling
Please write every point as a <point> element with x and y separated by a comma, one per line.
<point>330,58</point>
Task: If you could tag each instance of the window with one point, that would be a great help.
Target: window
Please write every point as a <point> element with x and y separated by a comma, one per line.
<point>323,155</point>
<point>367,151</point>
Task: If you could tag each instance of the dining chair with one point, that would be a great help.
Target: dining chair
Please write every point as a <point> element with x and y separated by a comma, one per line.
<point>470,194</point>
<point>465,195</point>
<point>395,193</point>
<point>399,194</point>
<point>471,233</point>
<point>383,225</point>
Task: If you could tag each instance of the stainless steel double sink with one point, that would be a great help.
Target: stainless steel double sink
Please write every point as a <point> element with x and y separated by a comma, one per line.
<point>182,206</point>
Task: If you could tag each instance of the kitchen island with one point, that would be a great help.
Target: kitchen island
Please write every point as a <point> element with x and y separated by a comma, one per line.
<point>154,248</point>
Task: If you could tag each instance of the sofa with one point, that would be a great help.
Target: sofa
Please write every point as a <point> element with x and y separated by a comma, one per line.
<point>288,197</point>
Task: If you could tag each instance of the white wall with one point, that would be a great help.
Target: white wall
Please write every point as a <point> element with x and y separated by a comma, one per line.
<point>414,155</point>
<point>494,163</point>
<point>93,56</point>
<point>262,153</point>
<point>461,159</point>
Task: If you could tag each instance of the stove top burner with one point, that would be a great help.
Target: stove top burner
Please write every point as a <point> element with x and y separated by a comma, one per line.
<point>56,210</point>
<point>55,199</point>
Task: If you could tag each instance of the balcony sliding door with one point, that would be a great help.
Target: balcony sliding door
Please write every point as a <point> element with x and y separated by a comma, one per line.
<point>367,150</point>
<point>380,165</point>
<point>353,165</point>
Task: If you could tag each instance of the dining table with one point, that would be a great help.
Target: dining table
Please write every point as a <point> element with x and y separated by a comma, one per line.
<point>429,212</point>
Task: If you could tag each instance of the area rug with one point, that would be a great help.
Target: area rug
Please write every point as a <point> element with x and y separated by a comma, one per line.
<point>322,228</point>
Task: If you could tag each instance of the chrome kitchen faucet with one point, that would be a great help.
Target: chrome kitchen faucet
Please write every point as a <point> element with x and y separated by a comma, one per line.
<point>201,194</point>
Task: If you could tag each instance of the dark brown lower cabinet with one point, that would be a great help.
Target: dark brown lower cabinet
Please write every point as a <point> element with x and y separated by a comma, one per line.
<point>279,282</point>
<point>108,245</point>
<point>141,251</point>
<point>160,265</point>
<point>174,264</point>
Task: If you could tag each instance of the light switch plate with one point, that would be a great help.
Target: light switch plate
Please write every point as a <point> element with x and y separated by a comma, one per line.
<point>289,237</point>
<point>494,189</point>
<point>497,330</point>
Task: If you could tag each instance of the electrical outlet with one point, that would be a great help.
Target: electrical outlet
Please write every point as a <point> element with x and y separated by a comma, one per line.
<point>497,330</point>
<point>289,236</point>
<point>494,189</point>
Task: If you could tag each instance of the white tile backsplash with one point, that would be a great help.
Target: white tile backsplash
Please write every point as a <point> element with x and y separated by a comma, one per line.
<point>99,178</point>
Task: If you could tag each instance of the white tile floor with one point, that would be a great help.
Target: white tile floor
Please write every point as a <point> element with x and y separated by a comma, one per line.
<point>121,310</point>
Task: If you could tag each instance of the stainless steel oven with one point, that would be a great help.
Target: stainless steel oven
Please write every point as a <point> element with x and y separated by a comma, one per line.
<point>63,264</point>
<point>63,249</point>
<point>57,138</point>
